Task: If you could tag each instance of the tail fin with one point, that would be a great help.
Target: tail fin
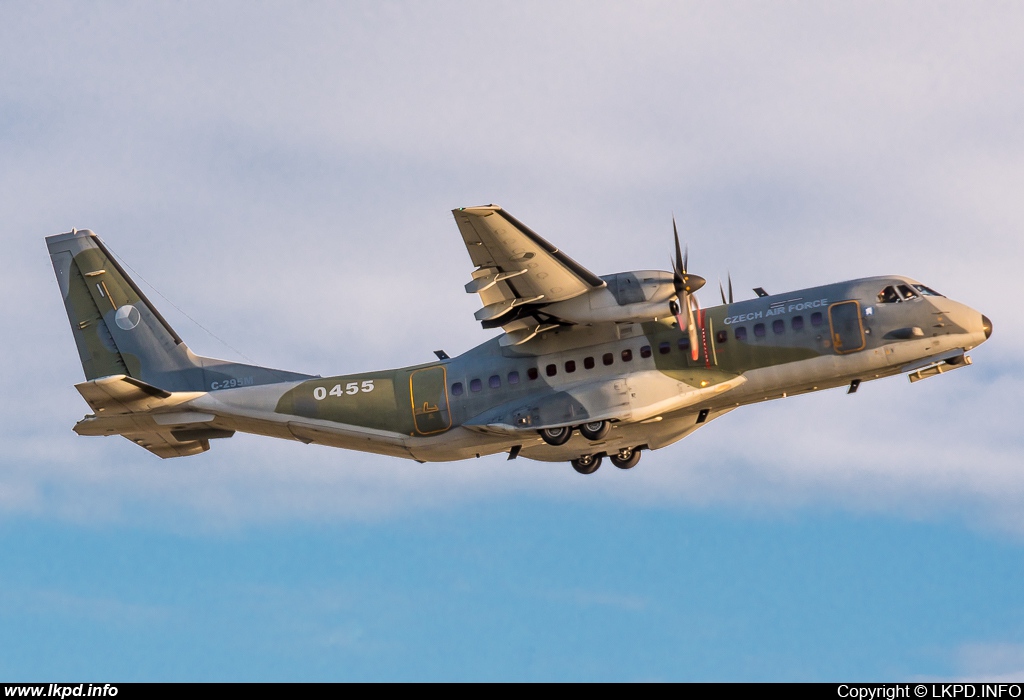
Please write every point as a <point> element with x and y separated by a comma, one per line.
<point>118,331</point>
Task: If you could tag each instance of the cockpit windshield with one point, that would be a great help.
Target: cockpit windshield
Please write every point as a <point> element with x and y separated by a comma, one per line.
<point>896,293</point>
<point>927,291</point>
<point>906,292</point>
<point>888,296</point>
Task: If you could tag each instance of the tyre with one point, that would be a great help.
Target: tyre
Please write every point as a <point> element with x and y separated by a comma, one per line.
<point>556,436</point>
<point>587,464</point>
<point>595,431</point>
<point>625,459</point>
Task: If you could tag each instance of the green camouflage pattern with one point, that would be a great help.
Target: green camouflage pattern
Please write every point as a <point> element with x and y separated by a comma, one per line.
<point>607,352</point>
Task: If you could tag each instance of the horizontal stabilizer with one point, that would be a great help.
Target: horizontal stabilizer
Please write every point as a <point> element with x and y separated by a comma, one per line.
<point>138,411</point>
<point>120,393</point>
<point>166,449</point>
<point>187,434</point>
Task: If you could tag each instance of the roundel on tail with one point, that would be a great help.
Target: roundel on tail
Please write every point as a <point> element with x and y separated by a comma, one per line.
<point>127,317</point>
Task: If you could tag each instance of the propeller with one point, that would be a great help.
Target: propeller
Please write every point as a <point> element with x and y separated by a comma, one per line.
<point>685,285</point>
<point>722,291</point>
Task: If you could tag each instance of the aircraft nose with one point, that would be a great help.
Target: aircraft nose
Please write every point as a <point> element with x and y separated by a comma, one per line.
<point>986,325</point>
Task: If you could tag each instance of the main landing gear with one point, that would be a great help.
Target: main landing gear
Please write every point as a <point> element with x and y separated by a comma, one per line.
<point>594,432</point>
<point>626,458</point>
<point>556,436</point>
<point>586,464</point>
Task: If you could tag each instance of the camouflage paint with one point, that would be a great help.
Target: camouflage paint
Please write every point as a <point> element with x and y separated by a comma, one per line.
<point>414,412</point>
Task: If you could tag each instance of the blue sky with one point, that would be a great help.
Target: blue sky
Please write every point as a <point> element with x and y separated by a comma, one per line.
<point>517,589</point>
<point>283,174</point>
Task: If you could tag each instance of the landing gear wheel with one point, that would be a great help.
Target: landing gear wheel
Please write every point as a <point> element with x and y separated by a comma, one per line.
<point>556,436</point>
<point>587,464</point>
<point>626,458</point>
<point>595,431</point>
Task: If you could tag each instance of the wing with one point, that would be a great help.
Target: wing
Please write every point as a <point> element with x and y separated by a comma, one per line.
<point>517,273</point>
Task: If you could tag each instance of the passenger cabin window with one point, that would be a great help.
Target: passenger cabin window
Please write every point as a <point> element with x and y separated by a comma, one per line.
<point>684,343</point>
<point>588,363</point>
<point>759,330</point>
<point>457,389</point>
<point>798,323</point>
<point>513,377</point>
<point>627,355</point>
<point>551,370</point>
<point>494,382</point>
<point>778,326</point>
<point>722,336</point>
<point>645,351</point>
<point>817,319</point>
<point>608,358</point>
<point>741,333</point>
<point>927,291</point>
<point>532,373</point>
<point>664,347</point>
<point>475,385</point>
<point>570,366</point>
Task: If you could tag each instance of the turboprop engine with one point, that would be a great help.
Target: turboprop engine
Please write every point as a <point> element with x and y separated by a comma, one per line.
<point>643,295</point>
<point>640,295</point>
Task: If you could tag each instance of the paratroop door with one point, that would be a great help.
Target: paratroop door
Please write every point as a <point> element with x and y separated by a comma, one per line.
<point>429,391</point>
<point>847,329</point>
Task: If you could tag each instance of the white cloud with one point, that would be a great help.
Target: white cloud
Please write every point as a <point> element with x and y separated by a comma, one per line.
<point>990,662</point>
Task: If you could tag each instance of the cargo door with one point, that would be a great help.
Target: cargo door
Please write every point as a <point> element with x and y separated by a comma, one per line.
<point>429,390</point>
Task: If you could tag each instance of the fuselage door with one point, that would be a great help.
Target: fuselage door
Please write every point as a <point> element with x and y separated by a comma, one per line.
<point>429,390</point>
<point>847,328</point>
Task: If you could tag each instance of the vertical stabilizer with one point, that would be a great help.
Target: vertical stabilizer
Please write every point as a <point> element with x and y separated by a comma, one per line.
<point>118,331</point>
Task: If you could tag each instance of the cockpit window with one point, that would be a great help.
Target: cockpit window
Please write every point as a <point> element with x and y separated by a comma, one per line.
<point>907,292</point>
<point>889,296</point>
<point>927,291</point>
<point>895,293</point>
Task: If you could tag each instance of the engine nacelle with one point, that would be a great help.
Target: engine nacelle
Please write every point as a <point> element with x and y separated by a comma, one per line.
<point>641,295</point>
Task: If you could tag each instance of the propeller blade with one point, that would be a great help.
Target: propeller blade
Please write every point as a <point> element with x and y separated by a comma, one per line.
<point>692,328</point>
<point>679,255</point>
<point>721,291</point>
<point>730,289</point>
<point>678,268</point>
<point>685,283</point>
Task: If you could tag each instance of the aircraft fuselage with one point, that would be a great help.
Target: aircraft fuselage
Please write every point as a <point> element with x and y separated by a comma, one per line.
<point>783,345</point>
<point>588,366</point>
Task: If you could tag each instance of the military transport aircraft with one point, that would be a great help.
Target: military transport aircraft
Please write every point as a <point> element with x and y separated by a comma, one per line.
<point>588,366</point>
